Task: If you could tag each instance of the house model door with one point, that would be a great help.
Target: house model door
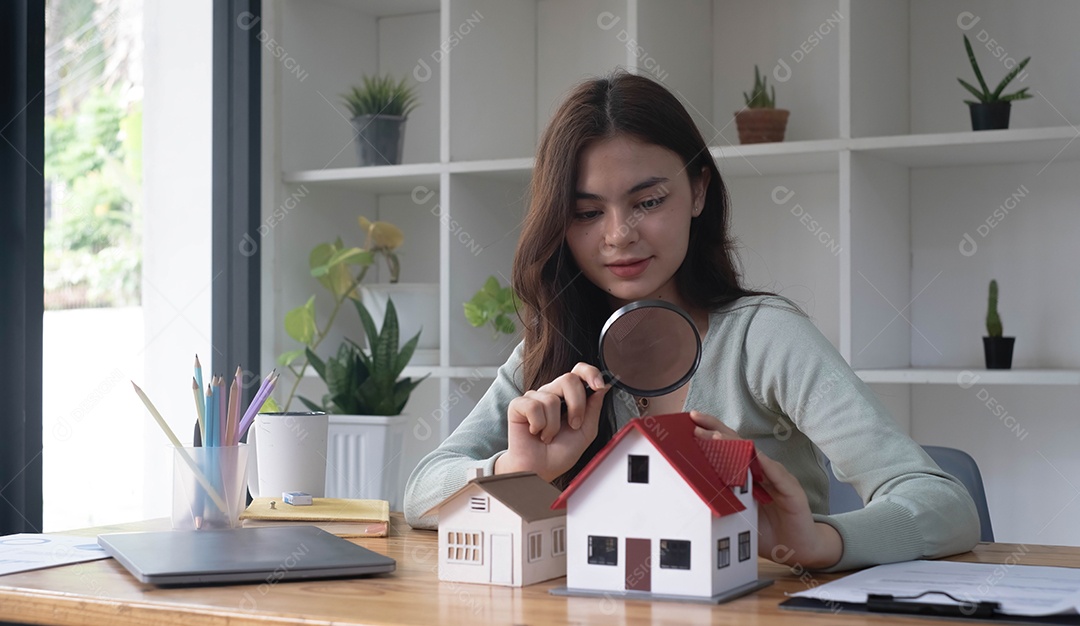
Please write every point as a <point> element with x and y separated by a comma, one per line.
<point>502,560</point>
<point>638,564</point>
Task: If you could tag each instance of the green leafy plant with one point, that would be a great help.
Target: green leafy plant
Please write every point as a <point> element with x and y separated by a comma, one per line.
<point>759,98</point>
<point>984,94</point>
<point>340,270</point>
<point>381,95</point>
<point>993,320</point>
<point>360,382</point>
<point>493,305</point>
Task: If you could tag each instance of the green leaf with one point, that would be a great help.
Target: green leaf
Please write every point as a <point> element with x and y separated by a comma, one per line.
<point>270,406</point>
<point>288,357</point>
<point>405,355</point>
<point>975,66</point>
<point>975,92</point>
<point>300,322</point>
<point>503,324</point>
<point>474,314</point>
<point>1008,78</point>
<point>367,321</point>
<point>316,363</point>
<point>385,345</point>
<point>492,287</point>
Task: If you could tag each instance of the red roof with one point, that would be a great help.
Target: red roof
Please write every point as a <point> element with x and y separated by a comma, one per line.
<point>710,466</point>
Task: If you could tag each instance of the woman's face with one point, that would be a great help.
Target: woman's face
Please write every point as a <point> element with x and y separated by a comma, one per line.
<point>631,223</point>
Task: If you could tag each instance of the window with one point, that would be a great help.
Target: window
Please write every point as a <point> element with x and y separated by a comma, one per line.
<point>723,552</point>
<point>603,550</point>
<point>746,483</point>
<point>637,468</point>
<point>478,503</point>
<point>674,554</point>
<point>744,546</point>
<point>464,547</point>
<point>536,546</point>
<point>558,541</point>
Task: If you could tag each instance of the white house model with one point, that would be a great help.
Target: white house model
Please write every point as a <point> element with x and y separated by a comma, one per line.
<point>660,513</point>
<point>502,530</point>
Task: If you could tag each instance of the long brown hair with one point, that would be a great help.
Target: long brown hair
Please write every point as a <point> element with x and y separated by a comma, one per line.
<point>562,311</point>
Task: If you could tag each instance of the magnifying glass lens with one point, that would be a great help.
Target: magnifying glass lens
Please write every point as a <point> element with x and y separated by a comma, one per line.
<point>650,349</point>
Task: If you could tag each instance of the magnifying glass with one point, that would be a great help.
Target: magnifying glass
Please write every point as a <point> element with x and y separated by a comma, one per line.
<point>649,348</point>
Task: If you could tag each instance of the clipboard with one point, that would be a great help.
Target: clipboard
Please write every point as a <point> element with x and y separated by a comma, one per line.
<point>908,606</point>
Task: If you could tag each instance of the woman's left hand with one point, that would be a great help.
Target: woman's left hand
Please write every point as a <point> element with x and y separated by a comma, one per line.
<point>787,532</point>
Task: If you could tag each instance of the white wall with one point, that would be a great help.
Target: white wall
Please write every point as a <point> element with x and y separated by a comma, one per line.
<point>176,254</point>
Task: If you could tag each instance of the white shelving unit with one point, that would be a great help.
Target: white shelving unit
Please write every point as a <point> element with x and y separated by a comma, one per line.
<point>861,215</point>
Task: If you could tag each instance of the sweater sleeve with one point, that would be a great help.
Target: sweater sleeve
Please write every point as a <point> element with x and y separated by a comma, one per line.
<point>913,509</point>
<point>477,442</point>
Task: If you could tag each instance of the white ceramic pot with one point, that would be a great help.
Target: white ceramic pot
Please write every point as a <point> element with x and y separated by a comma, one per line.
<point>363,458</point>
<point>417,306</point>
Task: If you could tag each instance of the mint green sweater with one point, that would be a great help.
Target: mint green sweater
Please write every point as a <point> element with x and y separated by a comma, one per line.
<point>767,372</point>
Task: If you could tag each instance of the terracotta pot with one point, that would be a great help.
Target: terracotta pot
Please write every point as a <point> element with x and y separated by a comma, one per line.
<point>761,125</point>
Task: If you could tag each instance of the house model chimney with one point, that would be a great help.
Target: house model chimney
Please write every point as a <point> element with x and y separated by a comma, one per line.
<point>473,472</point>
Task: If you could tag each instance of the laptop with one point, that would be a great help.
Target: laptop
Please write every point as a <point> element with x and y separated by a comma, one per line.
<point>192,557</point>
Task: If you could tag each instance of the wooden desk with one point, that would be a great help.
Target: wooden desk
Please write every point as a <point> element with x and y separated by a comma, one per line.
<point>102,592</point>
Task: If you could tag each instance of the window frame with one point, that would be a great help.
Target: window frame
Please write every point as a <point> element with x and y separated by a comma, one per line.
<point>672,550</point>
<point>611,550</point>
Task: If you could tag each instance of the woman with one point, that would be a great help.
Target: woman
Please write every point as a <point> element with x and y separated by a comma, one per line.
<point>627,204</point>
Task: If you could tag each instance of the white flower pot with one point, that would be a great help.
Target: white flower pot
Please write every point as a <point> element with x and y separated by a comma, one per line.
<point>417,306</point>
<point>363,458</point>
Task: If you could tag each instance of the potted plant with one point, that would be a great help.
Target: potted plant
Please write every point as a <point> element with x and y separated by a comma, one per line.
<point>493,305</point>
<point>991,111</point>
<point>998,349</point>
<point>760,121</point>
<point>379,107</point>
<point>365,399</point>
<point>339,269</point>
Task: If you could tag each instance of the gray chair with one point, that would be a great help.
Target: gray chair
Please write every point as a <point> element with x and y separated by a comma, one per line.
<point>843,498</point>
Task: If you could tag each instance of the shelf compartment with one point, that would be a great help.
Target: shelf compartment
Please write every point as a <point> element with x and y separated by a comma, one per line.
<point>967,377</point>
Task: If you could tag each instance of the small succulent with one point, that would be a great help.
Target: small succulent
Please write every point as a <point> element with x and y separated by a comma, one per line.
<point>367,383</point>
<point>993,320</point>
<point>985,95</point>
<point>759,98</point>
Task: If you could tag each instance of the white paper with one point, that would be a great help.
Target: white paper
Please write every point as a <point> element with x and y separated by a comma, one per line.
<point>1021,589</point>
<point>28,551</point>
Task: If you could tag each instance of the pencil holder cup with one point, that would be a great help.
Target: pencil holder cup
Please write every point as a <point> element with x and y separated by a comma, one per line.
<point>209,487</point>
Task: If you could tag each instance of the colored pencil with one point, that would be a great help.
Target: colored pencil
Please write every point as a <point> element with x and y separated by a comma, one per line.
<point>223,411</point>
<point>196,390</point>
<point>256,403</point>
<point>211,421</point>
<point>234,408</point>
<point>180,448</point>
<point>199,381</point>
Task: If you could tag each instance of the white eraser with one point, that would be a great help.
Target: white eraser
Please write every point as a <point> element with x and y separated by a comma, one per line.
<point>296,498</point>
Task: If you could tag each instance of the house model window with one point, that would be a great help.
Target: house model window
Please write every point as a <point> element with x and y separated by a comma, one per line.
<point>558,541</point>
<point>744,546</point>
<point>464,548</point>
<point>536,546</point>
<point>723,552</point>
<point>637,468</point>
<point>674,554</point>
<point>603,550</point>
<point>479,504</point>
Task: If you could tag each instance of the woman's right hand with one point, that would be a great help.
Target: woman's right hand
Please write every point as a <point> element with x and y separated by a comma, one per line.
<point>540,437</point>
